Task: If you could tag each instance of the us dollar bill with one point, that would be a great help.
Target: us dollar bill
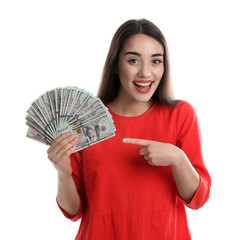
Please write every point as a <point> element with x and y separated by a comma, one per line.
<point>69,109</point>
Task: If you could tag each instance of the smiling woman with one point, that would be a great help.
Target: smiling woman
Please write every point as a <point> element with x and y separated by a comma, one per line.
<point>140,69</point>
<point>110,84</point>
<point>135,185</point>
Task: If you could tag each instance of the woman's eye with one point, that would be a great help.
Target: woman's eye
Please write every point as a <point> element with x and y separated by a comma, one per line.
<point>133,61</point>
<point>156,61</point>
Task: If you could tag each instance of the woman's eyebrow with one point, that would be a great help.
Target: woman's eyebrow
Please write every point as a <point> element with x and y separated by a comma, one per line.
<point>138,54</point>
<point>133,53</point>
<point>158,55</point>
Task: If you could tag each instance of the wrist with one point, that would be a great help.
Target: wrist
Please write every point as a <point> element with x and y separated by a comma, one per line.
<point>64,177</point>
<point>179,157</point>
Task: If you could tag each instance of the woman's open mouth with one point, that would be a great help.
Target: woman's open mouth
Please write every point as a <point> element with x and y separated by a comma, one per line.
<point>143,86</point>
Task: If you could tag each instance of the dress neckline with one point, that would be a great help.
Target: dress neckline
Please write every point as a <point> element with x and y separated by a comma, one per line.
<point>127,117</point>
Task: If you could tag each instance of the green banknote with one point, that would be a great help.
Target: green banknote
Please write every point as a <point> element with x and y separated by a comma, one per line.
<point>69,109</point>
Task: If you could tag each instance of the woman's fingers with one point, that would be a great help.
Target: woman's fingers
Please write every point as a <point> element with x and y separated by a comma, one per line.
<point>67,148</point>
<point>66,154</point>
<point>59,153</point>
<point>156,153</point>
<point>57,141</point>
<point>61,145</point>
<point>143,151</point>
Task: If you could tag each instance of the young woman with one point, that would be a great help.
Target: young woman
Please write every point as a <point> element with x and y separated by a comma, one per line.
<point>135,185</point>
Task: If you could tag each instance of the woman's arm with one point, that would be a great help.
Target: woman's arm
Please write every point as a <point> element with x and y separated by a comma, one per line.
<point>186,178</point>
<point>164,154</point>
<point>67,195</point>
<point>59,154</point>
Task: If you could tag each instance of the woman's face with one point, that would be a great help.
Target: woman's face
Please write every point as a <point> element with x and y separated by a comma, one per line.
<point>140,68</point>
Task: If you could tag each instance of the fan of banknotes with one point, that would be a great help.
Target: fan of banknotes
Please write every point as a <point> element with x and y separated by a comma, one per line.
<point>69,109</point>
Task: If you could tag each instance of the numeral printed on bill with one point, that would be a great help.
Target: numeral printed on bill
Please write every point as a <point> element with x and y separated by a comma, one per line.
<point>69,109</point>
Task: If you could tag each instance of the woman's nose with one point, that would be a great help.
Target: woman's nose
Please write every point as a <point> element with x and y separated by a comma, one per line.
<point>144,71</point>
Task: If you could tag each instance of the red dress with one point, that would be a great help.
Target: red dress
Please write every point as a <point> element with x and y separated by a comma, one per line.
<point>125,198</point>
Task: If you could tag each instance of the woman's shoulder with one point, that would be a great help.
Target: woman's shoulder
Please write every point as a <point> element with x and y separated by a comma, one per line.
<point>185,108</point>
<point>183,105</point>
<point>177,106</point>
<point>182,111</point>
<point>186,115</point>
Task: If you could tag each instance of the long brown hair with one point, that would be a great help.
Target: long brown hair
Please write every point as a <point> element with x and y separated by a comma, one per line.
<point>110,83</point>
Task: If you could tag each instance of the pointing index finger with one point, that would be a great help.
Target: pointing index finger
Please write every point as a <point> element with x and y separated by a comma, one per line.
<point>136,141</point>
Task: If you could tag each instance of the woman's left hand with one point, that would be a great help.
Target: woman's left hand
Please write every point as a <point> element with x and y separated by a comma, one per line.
<point>157,153</point>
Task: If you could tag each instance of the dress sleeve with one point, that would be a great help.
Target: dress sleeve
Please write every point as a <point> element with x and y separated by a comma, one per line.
<point>77,175</point>
<point>189,140</point>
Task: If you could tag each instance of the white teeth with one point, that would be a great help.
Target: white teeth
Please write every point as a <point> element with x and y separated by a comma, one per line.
<point>142,84</point>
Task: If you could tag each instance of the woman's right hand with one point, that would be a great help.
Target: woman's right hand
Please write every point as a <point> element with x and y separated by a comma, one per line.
<point>59,153</point>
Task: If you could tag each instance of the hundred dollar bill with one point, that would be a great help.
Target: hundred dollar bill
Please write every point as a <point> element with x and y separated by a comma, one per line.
<point>31,133</point>
<point>95,132</point>
<point>69,109</point>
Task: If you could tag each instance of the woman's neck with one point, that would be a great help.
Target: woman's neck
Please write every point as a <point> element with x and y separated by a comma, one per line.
<point>129,109</point>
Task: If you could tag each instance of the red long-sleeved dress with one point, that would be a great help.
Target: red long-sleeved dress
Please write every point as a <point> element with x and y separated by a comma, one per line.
<point>125,198</point>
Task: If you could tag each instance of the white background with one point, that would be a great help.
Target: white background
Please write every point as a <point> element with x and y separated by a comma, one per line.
<point>46,44</point>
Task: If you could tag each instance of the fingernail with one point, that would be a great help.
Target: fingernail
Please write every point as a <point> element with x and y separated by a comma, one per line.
<point>125,140</point>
